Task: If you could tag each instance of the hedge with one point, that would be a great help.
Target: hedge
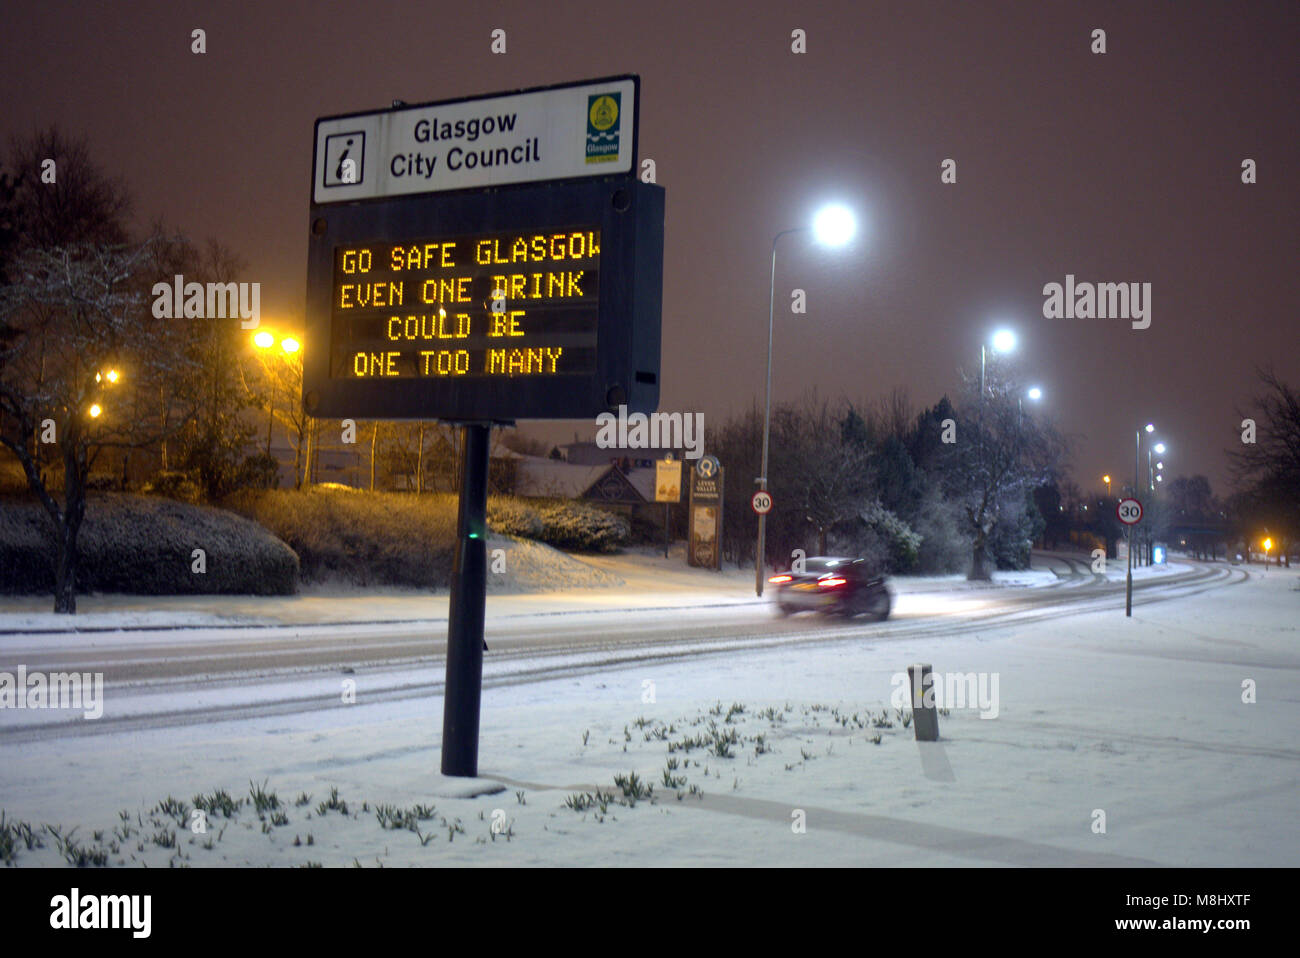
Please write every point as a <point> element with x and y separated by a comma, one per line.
<point>145,545</point>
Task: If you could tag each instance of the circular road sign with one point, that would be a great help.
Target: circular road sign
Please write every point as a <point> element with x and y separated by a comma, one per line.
<point>762,502</point>
<point>1129,511</point>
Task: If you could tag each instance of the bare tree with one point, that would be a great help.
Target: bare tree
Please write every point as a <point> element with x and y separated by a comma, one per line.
<point>76,373</point>
<point>1267,471</point>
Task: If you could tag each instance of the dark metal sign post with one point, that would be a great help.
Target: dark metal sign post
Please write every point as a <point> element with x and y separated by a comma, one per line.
<point>464,686</point>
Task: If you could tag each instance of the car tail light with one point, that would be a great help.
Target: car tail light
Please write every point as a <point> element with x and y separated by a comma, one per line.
<point>778,579</point>
<point>832,581</point>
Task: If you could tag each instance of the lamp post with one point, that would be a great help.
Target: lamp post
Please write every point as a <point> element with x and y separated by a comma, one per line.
<point>1034,395</point>
<point>833,226</point>
<point>1106,479</point>
<point>1137,467</point>
<point>1004,341</point>
<point>264,339</point>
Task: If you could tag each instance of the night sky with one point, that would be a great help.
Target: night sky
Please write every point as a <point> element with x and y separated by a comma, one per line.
<point>1122,167</point>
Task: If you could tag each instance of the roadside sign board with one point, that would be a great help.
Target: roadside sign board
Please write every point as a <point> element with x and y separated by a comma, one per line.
<point>1129,511</point>
<point>668,480</point>
<point>762,502</point>
<point>561,132</point>
<point>469,301</point>
<point>704,534</point>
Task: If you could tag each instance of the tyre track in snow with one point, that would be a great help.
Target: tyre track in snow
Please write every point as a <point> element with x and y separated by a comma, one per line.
<point>522,656</point>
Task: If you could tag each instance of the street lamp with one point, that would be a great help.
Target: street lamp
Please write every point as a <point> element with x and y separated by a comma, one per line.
<point>264,339</point>
<point>1034,395</point>
<point>1106,479</point>
<point>832,226</point>
<point>1137,469</point>
<point>1004,341</point>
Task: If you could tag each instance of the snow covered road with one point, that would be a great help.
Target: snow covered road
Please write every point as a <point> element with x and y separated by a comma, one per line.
<point>1116,741</point>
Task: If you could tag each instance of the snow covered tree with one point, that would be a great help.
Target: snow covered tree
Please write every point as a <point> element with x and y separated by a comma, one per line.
<point>80,357</point>
<point>77,375</point>
<point>1000,456</point>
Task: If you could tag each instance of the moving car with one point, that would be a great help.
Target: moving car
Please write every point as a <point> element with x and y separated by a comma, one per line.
<point>833,585</point>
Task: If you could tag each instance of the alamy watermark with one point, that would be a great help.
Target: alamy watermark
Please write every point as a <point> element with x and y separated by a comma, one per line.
<point>76,911</point>
<point>1098,301</point>
<point>659,430</point>
<point>179,299</point>
<point>53,690</point>
<point>950,690</point>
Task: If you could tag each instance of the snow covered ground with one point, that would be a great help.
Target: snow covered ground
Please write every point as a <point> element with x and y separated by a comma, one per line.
<point>539,579</point>
<point>1142,720</point>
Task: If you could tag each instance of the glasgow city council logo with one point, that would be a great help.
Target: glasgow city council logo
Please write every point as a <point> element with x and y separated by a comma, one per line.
<point>603,123</point>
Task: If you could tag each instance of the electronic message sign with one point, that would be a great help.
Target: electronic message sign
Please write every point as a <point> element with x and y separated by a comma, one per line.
<point>479,305</point>
<point>525,301</point>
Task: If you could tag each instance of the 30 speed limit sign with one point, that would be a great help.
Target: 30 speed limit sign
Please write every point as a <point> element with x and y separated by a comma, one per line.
<point>1129,511</point>
<point>762,502</point>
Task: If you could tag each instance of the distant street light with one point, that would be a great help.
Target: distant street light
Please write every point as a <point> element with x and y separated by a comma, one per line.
<point>95,410</point>
<point>1004,341</point>
<point>1034,395</point>
<point>832,226</point>
<point>265,339</point>
<point>1106,479</point>
<point>1137,472</point>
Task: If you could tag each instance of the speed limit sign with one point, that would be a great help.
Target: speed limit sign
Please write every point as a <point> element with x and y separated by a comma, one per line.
<point>1129,511</point>
<point>762,502</point>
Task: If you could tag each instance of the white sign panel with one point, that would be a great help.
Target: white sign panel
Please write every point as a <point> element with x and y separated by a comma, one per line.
<point>557,133</point>
<point>1129,511</point>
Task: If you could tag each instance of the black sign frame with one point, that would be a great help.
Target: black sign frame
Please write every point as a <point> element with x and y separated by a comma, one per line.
<point>630,216</point>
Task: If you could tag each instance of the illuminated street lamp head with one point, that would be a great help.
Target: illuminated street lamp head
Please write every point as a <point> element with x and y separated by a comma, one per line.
<point>834,225</point>
<point>1150,427</point>
<point>1159,447</point>
<point>263,340</point>
<point>95,410</point>
<point>112,376</point>
<point>290,345</point>
<point>1035,394</point>
<point>1105,479</point>
<point>1268,544</point>
<point>1004,341</point>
